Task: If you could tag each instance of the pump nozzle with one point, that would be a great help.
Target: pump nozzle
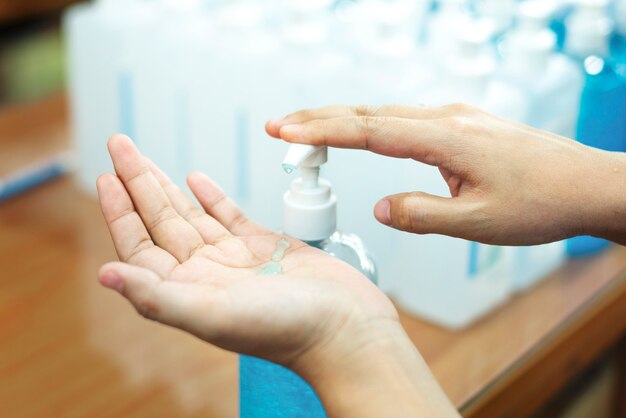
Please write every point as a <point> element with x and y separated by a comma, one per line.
<point>309,206</point>
<point>301,155</point>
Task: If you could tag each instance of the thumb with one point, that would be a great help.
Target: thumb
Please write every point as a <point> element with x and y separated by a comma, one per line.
<point>165,301</point>
<point>423,213</point>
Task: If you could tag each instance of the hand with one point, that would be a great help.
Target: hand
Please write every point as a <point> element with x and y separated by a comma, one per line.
<point>197,270</point>
<point>510,184</point>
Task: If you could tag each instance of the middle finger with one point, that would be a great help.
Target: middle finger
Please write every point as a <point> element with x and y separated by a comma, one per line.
<point>166,227</point>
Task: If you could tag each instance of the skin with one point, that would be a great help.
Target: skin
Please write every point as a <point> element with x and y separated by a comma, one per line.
<point>510,184</point>
<point>197,269</point>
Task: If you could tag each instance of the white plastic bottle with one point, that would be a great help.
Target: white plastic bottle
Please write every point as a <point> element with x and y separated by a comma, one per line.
<point>553,84</point>
<point>237,88</point>
<point>552,81</point>
<point>310,214</point>
<point>102,99</point>
<point>447,280</point>
<point>439,37</point>
<point>302,73</point>
<point>164,60</point>
<point>499,13</point>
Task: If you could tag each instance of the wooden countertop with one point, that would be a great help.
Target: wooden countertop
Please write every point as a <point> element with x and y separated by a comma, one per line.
<point>73,349</point>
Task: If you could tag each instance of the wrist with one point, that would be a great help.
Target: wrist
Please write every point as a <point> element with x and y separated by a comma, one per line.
<point>605,202</point>
<point>373,370</point>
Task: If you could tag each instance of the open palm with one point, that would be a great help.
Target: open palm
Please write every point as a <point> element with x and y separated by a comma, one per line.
<point>198,270</point>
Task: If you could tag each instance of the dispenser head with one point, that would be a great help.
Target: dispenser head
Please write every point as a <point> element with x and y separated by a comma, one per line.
<point>301,155</point>
<point>310,207</point>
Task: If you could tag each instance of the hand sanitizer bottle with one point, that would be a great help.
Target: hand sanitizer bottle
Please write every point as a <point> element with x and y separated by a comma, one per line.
<point>100,84</point>
<point>267,389</point>
<point>450,281</point>
<point>603,102</point>
<point>552,81</point>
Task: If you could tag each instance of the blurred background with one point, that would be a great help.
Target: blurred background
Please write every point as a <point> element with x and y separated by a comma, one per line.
<point>32,60</point>
<point>193,81</point>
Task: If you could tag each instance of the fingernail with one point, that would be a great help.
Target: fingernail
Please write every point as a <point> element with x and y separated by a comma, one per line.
<point>382,212</point>
<point>291,132</point>
<point>112,280</point>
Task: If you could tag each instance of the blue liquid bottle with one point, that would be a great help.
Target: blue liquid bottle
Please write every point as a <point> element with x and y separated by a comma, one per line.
<point>601,122</point>
<point>268,390</point>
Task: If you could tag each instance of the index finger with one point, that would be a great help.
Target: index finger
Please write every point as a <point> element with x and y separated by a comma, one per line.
<point>429,141</point>
<point>340,111</point>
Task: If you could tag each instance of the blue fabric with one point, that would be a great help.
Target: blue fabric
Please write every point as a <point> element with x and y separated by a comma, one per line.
<point>267,390</point>
<point>581,246</point>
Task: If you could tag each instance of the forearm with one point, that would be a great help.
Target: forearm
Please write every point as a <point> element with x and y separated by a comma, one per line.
<point>384,376</point>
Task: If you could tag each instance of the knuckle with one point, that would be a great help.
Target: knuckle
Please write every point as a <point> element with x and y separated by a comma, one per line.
<point>217,200</point>
<point>363,110</point>
<point>147,307</point>
<point>167,213</point>
<point>302,115</point>
<point>410,215</point>
<point>141,246</point>
<point>464,126</point>
<point>367,126</point>
<point>193,251</point>
<point>461,109</point>
<point>239,219</point>
<point>143,171</point>
<point>193,212</point>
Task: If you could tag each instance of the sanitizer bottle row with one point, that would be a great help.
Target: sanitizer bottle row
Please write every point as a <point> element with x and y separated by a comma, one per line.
<point>193,82</point>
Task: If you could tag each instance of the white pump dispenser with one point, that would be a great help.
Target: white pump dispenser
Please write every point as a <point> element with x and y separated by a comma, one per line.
<point>310,207</point>
<point>551,81</point>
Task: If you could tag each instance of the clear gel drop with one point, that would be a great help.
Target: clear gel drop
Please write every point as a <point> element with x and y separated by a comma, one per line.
<point>274,268</point>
